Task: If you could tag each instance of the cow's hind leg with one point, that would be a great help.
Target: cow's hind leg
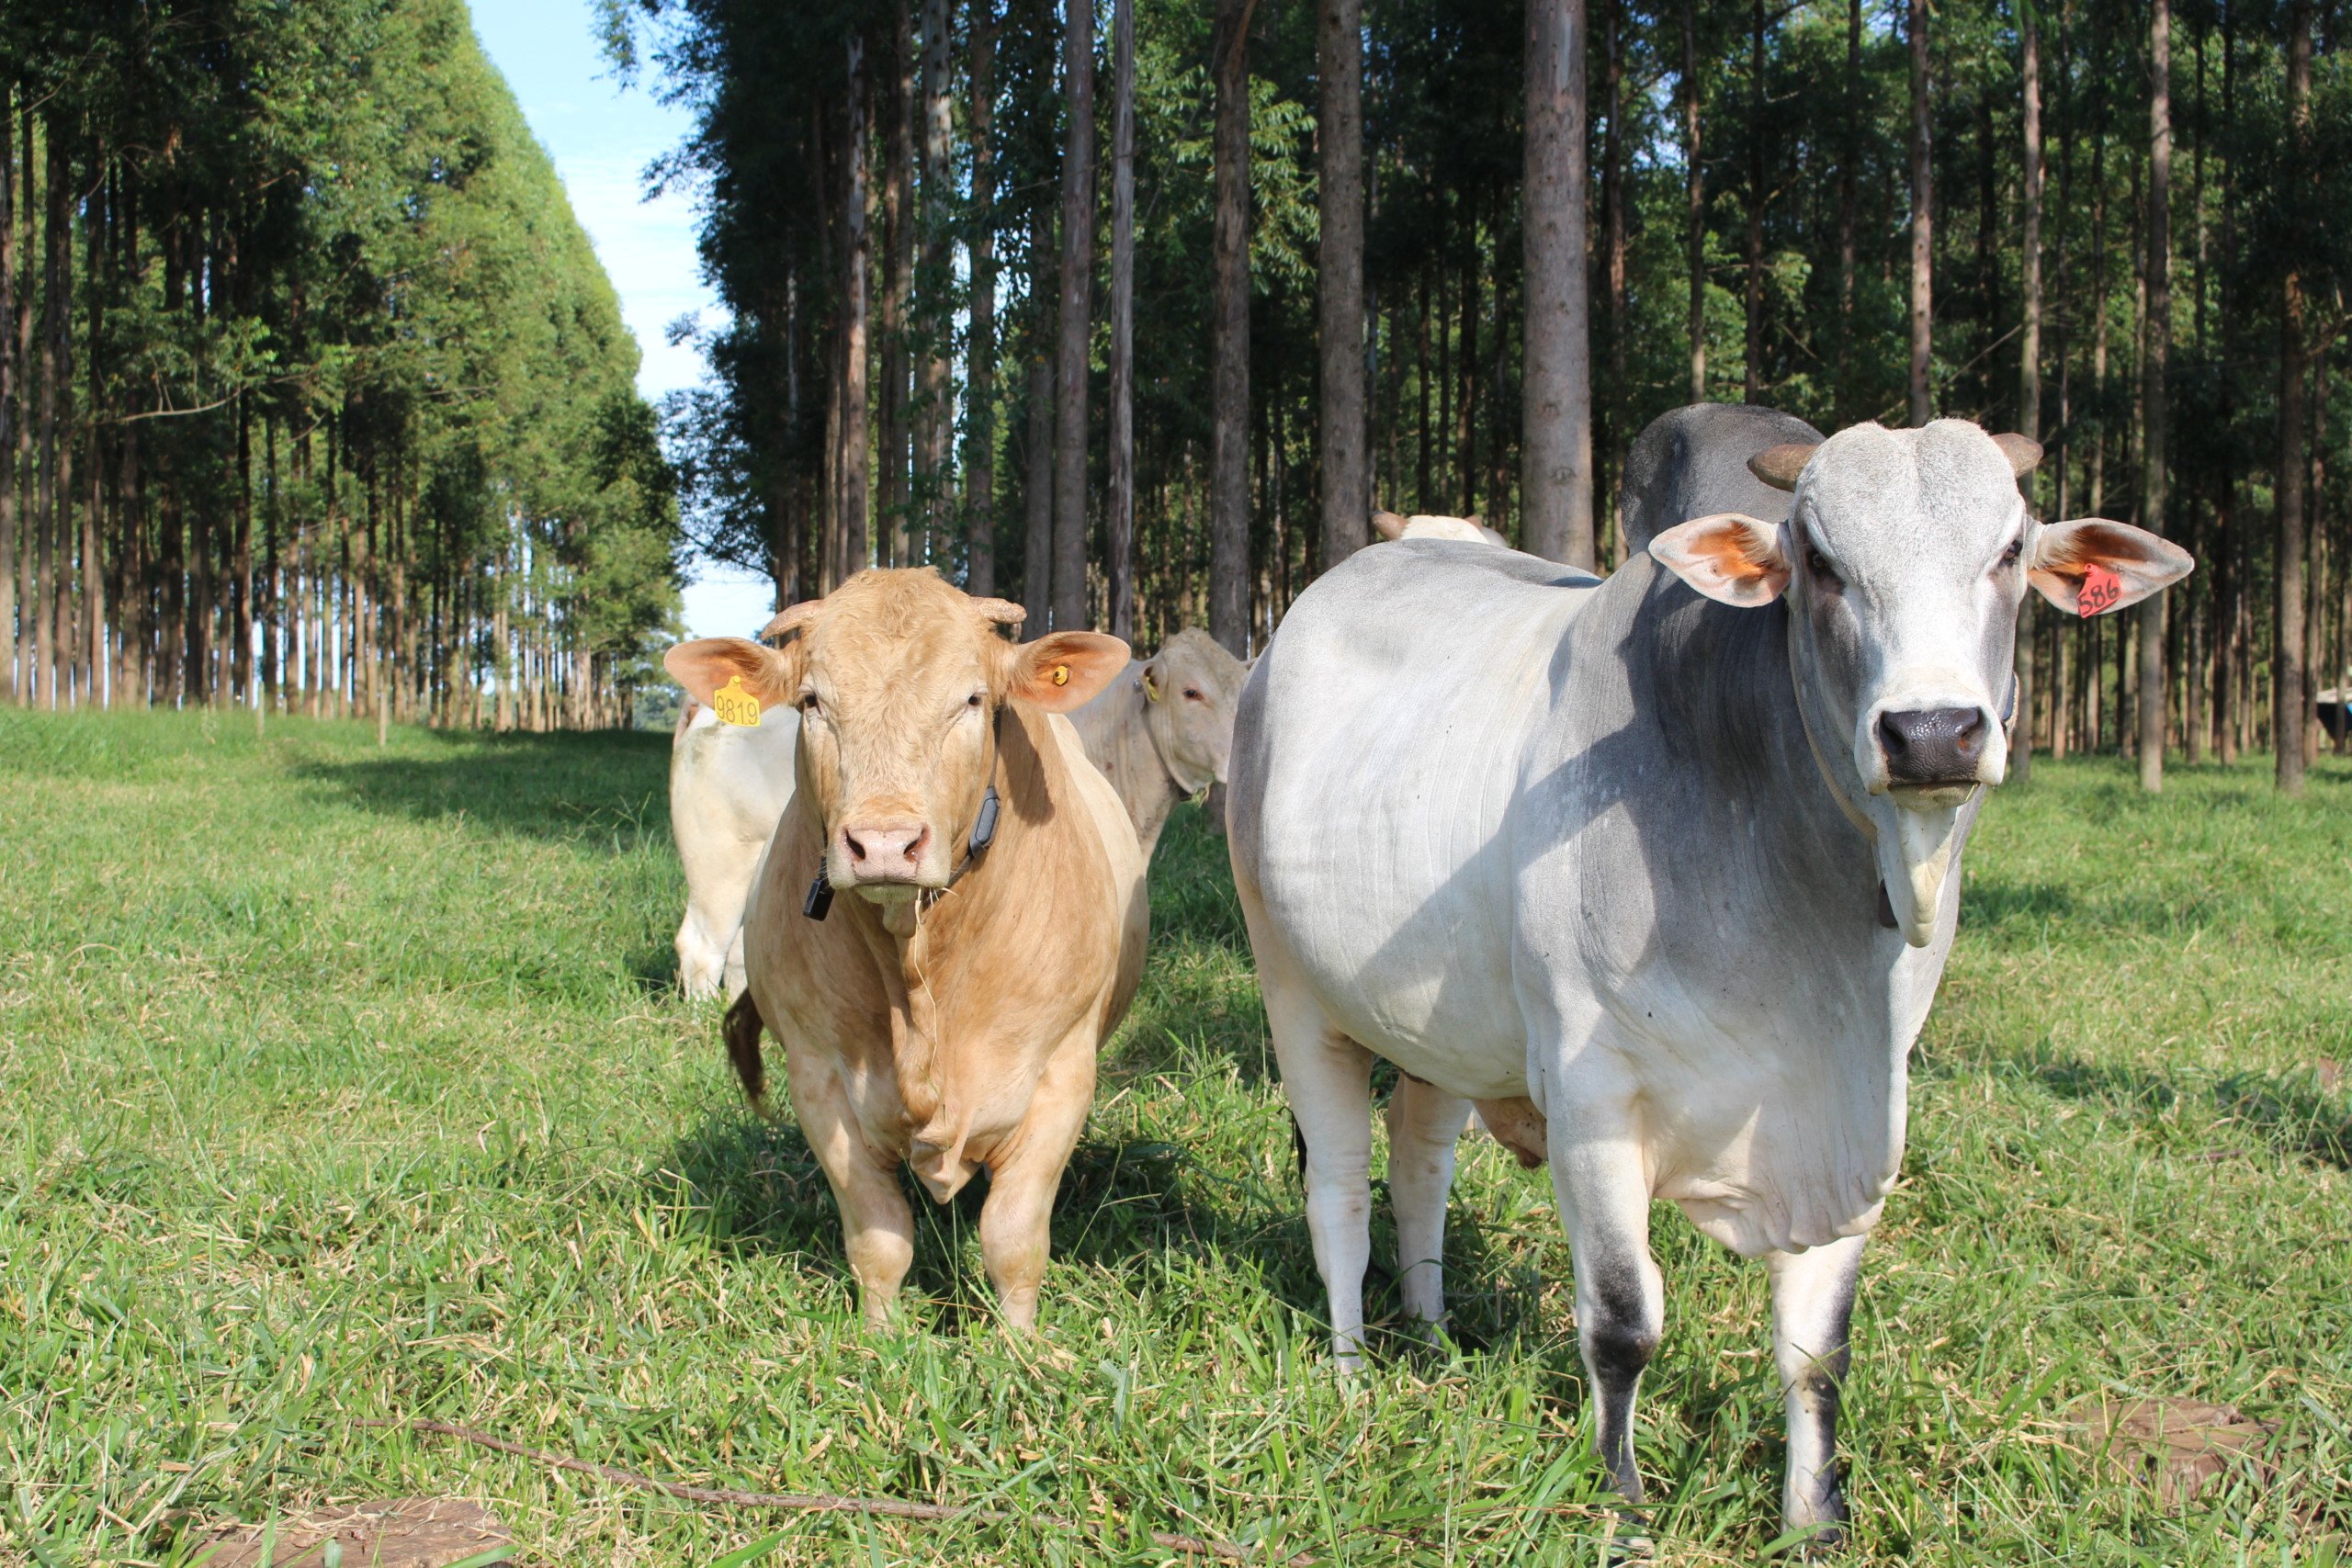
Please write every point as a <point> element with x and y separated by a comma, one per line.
<point>1328,1079</point>
<point>1620,1300</point>
<point>1016,1223</point>
<point>1812,1306</point>
<point>1424,1124</point>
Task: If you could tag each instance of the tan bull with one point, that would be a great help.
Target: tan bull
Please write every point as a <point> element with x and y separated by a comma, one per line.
<point>941,974</point>
<point>1162,731</point>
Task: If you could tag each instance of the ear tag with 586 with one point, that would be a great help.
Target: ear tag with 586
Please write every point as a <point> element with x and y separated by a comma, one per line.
<point>736,706</point>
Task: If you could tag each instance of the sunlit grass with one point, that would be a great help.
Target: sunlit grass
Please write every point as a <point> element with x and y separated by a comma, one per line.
<point>344,1084</point>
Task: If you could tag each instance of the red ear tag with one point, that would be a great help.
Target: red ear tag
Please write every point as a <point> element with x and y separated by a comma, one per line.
<point>2100,590</point>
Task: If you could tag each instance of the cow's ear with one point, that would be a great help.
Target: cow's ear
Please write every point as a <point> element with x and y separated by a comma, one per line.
<point>1728,557</point>
<point>1065,670</point>
<point>736,666</point>
<point>2091,566</point>
<point>1388,524</point>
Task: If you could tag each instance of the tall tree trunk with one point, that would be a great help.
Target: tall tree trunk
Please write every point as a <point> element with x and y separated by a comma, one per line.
<point>2156,361</point>
<point>1923,247</point>
<point>1609,408</point>
<point>853,463</point>
<point>2287,654</point>
<point>1466,410</point>
<point>1229,333</point>
<point>1421,387</point>
<point>1848,201</point>
<point>1752,371</point>
<point>1555,440</point>
<point>1695,202</point>
<point>1037,537</point>
<point>28,508</point>
<point>57,260</point>
<point>1076,320</point>
<point>2029,357</point>
<point>1120,524</point>
<point>8,380</point>
<point>898,265</point>
<point>979,376</point>
<point>1346,472</point>
<point>934,409</point>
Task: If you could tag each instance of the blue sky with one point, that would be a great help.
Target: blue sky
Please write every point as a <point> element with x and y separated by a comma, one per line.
<point>601,137</point>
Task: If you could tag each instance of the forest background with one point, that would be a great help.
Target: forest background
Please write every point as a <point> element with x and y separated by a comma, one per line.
<point>316,399</point>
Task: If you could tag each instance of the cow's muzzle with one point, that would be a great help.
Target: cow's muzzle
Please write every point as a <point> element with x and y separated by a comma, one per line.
<point>883,851</point>
<point>1934,749</point>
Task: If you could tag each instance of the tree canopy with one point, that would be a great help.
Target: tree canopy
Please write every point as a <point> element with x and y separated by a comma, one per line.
<point>1752,171</point>
<point>316,395</point>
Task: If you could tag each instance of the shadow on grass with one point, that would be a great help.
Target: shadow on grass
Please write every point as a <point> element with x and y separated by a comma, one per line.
<point>755,1188</point>
<point>2290,1115</point>
<point>605,790</point>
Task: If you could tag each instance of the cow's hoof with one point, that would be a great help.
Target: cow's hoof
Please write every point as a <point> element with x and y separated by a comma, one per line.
<point>1819,1544</point>
<point>1629,1539</point>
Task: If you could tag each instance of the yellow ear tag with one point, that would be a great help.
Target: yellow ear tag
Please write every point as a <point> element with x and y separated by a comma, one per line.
<point>736,706</point>
<point>1150,687</point>
<point>1061,675</point>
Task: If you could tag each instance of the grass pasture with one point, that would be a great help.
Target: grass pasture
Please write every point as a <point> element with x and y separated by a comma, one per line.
<point>341,1084</point>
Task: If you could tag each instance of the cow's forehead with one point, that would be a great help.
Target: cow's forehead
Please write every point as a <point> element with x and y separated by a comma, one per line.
<point>1945,492</point>
<point>1193,653</point>
<point>900,628</point>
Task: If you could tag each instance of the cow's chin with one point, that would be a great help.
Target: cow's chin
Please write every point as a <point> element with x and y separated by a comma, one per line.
<point>1948,795</point>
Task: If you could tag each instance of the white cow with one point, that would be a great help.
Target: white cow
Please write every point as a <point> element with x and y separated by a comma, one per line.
<point>1659,871</point>
<point>1427,525</point>
<point>1163,731</point>
<point>729,786</point>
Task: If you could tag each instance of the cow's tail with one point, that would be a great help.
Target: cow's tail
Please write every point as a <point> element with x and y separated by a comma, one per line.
<point>741,1033</point>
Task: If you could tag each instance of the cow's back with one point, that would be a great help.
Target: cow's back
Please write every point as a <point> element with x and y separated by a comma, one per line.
<point>1376,755</point>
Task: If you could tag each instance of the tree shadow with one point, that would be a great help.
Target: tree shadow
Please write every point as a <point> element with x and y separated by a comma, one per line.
<point>2290,1113</point>
<point>601,791</point>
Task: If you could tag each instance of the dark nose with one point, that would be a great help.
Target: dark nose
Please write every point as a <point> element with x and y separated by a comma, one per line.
<point>1933,746</point>
<point>886,849</point>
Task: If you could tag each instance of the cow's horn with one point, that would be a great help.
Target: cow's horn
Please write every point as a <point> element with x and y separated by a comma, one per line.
<point>790,619</point>
<point>1387,524</point>
<point>1004,612</point>
<point>2022,451</point>
<point>1780,466</point>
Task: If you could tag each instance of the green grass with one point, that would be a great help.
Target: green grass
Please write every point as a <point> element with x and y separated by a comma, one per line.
<point>343,1084</point>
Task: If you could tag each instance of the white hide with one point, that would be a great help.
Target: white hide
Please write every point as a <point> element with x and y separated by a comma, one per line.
<point>729,786</point>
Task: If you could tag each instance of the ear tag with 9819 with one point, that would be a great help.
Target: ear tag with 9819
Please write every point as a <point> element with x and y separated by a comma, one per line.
<point>736,706</point>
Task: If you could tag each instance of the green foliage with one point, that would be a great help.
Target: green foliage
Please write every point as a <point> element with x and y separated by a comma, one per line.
<point>331,277</point>
<point>404,1117</point>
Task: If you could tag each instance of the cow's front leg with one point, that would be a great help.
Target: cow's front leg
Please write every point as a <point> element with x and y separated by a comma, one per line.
<point>1424,1127</point>
<point>878,1228</point>
<point>1017,1221</point>
<point>1604,1197</point>
<point>1812,1306</point>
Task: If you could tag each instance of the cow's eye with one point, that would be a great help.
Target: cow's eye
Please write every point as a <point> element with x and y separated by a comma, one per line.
<point>1192,694</point>
<point>973,701</point>
<point>1818,564</point>
<point>2011,556</point>
<point>808,704</point>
